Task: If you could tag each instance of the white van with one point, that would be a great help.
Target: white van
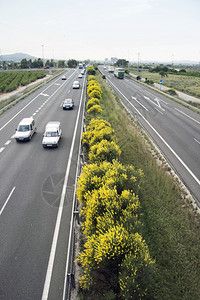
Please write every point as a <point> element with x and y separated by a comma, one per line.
<point>25,130</point>
<point>52,134</point>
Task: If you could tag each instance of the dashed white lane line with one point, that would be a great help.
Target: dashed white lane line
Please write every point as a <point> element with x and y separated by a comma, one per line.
<point>7,143</point>
<point>187,116</point>
<point>197,141</point>
<point>1,149</point>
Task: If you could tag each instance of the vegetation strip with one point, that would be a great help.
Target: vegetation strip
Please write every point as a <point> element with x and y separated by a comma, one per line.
<point>170,226</point>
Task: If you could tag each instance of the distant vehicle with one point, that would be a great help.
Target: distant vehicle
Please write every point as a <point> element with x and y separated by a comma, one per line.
<point>80,76</point>
<point>64,77</point>
<point>25,130</point>
<point>76,85</point>
<point>80,66</point>
<point>119,73</point>
<point>83,72</point>
<point>110,69</point>
<point>68,104</point>
<point>52,134</point>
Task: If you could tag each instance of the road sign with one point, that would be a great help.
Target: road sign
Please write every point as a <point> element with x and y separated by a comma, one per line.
<point>160,81</point>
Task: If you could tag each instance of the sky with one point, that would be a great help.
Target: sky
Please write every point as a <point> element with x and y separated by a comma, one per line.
<point>136,30</point>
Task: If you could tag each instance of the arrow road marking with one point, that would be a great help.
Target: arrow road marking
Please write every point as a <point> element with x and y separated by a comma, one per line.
<point>157,102</point>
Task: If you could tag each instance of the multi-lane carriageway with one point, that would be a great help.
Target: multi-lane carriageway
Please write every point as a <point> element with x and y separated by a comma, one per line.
<point>37,185</point>
<point>37,193</point>
<point>174,128</point>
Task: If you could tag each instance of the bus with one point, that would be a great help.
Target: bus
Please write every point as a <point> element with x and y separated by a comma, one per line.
<point>119,73</point>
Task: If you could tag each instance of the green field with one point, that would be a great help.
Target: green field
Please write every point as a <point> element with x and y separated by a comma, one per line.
<point>10,81</point>
<point>186,84</point>
<point>170,223</point>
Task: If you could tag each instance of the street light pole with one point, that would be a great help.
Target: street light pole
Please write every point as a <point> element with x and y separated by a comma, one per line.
<point>43,54</point>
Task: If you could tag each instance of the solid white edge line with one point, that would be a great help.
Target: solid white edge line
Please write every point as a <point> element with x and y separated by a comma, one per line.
<point>162,139</point>
<point>72,214</point>
<point>58,220</point>
<point>1,211</point>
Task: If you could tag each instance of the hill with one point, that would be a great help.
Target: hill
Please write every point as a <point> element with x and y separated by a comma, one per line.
<point>16,57</point>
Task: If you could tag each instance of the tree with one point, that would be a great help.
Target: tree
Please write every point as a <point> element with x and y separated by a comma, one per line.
<point>61,64</point>
<point>24,64</point>
<point>72,63</point>
<point>123,63</point>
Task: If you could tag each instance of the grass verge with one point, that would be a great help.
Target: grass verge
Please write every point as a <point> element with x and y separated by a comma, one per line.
<point>170,224</point>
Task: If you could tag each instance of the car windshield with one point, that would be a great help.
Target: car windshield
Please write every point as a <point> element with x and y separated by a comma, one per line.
<point>68,101</point>
<point>51,134</point>
<point>23,128</point>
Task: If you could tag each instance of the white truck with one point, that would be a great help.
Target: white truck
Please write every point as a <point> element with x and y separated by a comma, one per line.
<point>52,134</point>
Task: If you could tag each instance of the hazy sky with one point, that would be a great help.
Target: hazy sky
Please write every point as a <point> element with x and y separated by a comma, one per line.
<point>159,30</point>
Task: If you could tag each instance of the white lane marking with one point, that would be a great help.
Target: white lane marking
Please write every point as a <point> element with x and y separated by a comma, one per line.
<point>139,103</point>
<point>31,102</point>
<point>12,137</point>
<point>72,215</point>
<point>197,141</point>
<point>187,116</point>
<point>59,216</point>
<point>158,111</point>
<point>46,95</point>
<point>1,149</point>
<point>7,143</point>
<point>162,139</point>
<point>34,114</point>
<point>157,101</point>
<point>7,200</point>
<point>68,91</point>
<point>57,83</point>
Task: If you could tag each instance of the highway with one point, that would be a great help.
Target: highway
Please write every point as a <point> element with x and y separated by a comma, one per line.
<point>174,128</point>
<point>36,192</point>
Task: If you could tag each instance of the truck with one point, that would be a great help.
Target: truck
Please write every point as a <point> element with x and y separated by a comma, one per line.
<point>80,66</point>
<point>119,73</point>
<point>110,69</point>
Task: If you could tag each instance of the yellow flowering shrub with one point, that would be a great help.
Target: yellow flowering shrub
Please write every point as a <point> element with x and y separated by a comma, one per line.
<point>107,252</point>
<point>104,150</point>
<point>94,110</point>
<point>92,101</point>
<point>111,175</point>
<point>95,93</point>
<point>96,131</point>
<point>106,208</point>
<point>91,77</point>
<point>92,87</point>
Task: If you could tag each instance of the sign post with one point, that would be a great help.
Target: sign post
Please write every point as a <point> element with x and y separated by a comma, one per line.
<point>161,81</point>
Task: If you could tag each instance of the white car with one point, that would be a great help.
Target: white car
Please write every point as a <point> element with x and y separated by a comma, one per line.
<point>76,85</point>
<point>25,130</point>
<point>52,134</point>
<point>64,77</point>
<point>80,76</point>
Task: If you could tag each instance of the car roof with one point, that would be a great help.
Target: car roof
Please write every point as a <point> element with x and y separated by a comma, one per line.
<point>53,124</point>
<point>26,120</point>
<point>76,81</point>
<point>68,100</point>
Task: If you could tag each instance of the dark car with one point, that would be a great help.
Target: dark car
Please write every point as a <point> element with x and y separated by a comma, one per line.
<point>68,104</point>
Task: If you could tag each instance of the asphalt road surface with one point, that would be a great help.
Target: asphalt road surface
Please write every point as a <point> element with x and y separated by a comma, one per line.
<point>174,128</point>
<point>36,192</point>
